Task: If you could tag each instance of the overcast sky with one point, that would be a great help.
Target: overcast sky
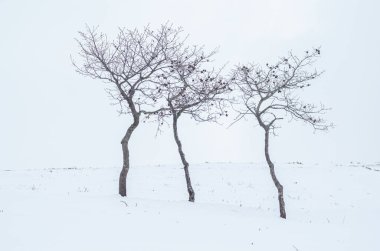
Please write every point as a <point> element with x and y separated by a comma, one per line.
<point>53,117</point>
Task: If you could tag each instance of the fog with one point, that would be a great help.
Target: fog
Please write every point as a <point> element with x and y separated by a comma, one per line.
<point>52,117</point>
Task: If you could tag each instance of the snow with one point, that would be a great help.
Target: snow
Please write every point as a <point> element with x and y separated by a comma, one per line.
<point>329,206</point>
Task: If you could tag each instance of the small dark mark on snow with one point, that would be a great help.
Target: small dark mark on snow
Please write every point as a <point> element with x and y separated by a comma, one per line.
<point>372,169</point>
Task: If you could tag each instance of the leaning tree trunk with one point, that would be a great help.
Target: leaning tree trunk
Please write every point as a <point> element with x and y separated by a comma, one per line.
<point>124,145</point>
<point>278,185</point>
<point>183,159</point>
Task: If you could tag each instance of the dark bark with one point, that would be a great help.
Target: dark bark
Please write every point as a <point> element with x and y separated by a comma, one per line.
<point>278,185</point>
<point>124,144</point>
<point>190,189</point>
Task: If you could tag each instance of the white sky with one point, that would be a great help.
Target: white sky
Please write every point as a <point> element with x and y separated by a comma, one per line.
<point>53,117</point>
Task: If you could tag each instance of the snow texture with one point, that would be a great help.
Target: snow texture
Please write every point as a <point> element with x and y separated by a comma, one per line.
<point>330,207</point>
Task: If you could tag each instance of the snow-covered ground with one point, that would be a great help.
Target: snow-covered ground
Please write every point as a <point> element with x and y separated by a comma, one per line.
<point>329,206</point>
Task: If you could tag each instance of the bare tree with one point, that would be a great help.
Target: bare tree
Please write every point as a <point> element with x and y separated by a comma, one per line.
<point>131,64</point>
<point>270,94</point>
<point>189,88</point>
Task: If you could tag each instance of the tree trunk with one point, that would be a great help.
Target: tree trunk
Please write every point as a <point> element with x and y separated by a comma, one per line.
<point>279,187</point>
<point>124,145</point>
<point>183,159</point>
